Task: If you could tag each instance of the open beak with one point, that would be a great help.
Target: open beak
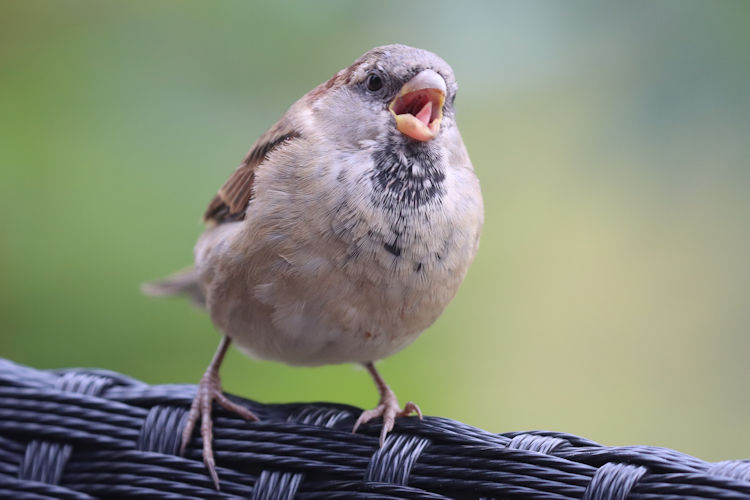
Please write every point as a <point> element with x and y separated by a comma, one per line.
<point>418,107</point>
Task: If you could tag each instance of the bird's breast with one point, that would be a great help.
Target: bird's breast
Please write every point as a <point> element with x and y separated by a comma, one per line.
<point>342,262</point>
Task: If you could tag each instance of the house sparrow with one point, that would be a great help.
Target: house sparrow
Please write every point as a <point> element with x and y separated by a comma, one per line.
<point>343,234</point>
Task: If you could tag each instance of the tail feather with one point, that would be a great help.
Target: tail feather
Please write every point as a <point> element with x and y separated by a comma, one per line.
<point>184,282</point>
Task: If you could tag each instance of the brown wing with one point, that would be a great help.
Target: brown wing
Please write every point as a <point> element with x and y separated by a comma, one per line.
<point>230,202</point>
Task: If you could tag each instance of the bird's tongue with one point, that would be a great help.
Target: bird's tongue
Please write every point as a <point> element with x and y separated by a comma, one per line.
<point>418,113</point>
<point>425,113</point>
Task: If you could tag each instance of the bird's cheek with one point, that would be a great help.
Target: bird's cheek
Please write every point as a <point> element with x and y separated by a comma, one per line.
<point>349,121</point>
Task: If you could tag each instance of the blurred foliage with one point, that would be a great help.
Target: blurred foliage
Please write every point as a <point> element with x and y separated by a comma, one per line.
<point>611,296</point>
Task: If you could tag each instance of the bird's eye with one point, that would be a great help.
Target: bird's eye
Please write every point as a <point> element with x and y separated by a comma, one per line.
<point>374,82</point>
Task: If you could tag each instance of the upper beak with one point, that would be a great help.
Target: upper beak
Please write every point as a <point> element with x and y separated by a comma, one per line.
<point>418,107</point>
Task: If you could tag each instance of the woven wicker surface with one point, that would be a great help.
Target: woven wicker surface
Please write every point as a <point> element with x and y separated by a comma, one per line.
<point>84,434</point>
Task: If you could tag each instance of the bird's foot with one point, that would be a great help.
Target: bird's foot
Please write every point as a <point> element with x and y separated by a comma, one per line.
<point>209,390</point>
<point>389,409</point>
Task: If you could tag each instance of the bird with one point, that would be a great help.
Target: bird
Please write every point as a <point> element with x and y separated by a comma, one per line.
<point>343,234</point>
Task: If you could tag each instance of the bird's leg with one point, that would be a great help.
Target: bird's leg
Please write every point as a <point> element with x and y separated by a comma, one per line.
<point>209,390</point>
<point>387,408</point>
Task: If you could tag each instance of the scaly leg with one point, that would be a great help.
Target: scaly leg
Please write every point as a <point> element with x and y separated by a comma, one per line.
<point>387,408</point>
<point>209,390</point>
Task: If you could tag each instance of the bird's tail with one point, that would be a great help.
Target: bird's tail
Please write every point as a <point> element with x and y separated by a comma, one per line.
<point>183,282</point>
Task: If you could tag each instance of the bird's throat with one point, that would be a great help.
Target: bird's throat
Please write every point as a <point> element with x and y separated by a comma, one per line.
<point>407,175</point>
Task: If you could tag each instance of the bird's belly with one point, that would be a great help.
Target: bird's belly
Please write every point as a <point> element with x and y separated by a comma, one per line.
<point>309,309</point>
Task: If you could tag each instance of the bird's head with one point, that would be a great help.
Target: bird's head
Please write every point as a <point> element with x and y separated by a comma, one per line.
<point>394,91</point>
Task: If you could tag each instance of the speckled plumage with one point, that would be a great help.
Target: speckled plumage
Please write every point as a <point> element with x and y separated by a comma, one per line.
<point>340,238</point>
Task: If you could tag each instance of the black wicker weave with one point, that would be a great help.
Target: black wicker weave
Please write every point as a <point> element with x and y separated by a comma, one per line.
<point>81,434</point>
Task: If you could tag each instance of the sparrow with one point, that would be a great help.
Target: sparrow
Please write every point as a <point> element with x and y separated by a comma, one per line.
<point>344,232</point>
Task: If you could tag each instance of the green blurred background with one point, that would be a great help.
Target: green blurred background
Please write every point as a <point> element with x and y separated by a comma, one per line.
<point>611,295</point>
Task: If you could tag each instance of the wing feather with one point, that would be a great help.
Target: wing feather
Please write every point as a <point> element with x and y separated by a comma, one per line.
<point>231,201</point>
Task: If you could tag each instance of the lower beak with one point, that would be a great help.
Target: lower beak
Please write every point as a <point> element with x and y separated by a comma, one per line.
<point>418,107</point>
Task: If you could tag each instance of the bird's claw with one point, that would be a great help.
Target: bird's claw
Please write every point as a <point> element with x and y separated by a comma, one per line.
<point>389,409</point>
<point>209,390</point>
